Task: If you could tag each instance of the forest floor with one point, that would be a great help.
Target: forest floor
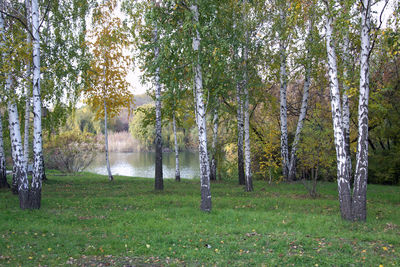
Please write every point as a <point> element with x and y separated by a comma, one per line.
<point>87,221</point>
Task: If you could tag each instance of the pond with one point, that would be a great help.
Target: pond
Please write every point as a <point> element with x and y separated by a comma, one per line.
<point>141,164</point>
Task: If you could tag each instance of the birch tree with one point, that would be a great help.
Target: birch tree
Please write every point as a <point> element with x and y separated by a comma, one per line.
<point>177,170</point>
<point>37,174</point>
<point>353,206</point>
<point>107,91</point>
<point>28,86</point>
<point>159,184</point>
<point>200,114</point>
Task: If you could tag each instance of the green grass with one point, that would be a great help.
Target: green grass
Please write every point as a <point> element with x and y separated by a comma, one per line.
<point>87,221</point>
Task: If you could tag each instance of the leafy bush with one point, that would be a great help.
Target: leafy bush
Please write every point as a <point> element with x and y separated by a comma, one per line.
<point>71,151</point>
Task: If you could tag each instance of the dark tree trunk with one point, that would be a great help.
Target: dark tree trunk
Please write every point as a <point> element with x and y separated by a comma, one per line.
<point>158,183</point>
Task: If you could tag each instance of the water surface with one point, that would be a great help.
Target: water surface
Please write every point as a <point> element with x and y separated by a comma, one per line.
<point>141,164</point>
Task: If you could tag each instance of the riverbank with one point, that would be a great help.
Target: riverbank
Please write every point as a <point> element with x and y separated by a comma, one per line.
<point>86,220</point>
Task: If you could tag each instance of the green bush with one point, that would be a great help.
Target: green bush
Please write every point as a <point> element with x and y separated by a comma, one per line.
<point>71,151</point>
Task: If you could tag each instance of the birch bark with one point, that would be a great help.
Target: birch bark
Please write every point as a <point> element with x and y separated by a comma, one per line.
<point>37,174</point>
<point>247,151</point>
<point>343,178</point>
<point>201,117</point>
<point>177,170</point>
<point>283,105</point>
<point>359,207</point>
<point>17,151</point>
<point>159,184</point>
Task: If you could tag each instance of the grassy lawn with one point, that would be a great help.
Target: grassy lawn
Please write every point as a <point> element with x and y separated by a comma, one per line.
<point>87,221</point>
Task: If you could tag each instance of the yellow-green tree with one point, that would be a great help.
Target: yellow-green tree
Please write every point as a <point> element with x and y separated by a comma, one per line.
<point>107,91</point>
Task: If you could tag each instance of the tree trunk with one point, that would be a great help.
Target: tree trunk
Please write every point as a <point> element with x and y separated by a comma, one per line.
<point>201,118</point>
<point>158,183</point>
<point>110,176</point>
<point>17,151</point>
<point>37,174</point>
<point>247,151</point>
<point>240,126</point>
<point>28,87</point>
<point>283,105</point>
<point>343,178</point>
<point>3,174</point>
<point>239,113</point>
<point>359,207</point>
<point>213,168</point>
<point>177,170</point>
<point>303,110</point>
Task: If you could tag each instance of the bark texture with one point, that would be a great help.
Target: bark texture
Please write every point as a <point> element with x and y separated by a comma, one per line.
<point>17,151</point>
<point>343,178</point>
<point>282,94</point>
<point>38,171</point>
<point>247,151</point>
<point>177,170</point>
<point>240,126</point>
<point>201,117</point>
<point>359,207</point>
<point>158,184</point>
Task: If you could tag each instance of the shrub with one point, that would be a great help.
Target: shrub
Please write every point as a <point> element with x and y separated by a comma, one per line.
<point>71,151</point>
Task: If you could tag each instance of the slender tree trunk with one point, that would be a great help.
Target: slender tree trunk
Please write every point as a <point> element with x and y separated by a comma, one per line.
<point>110,176</point>
<point>159,183</point>
<point>37,174</point>
<point>240,126</point>
<point>343,178</point>
<point>283,105</point>
<point>17,151</point>
<point>201,118</point>
<point>303,110</point>
<point>345,101</point>
<point>27,89</point>
<point>213,167</point>
<point>360,181</point>
<point>177,170</point>
<point>239,113</point>
<point>3,173</point>
<point>247,151</point>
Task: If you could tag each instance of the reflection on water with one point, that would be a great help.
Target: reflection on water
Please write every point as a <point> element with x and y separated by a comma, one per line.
<point>141,164</point>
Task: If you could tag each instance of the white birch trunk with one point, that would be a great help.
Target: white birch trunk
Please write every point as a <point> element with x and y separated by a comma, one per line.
<point>247,151</point>
<point>110,176</point>
<point>37,173</point>
<point>283,105</point>
<point>303,109</point>
<point>158,183</point>
<point>17,151</point>
<point>341,156</point>
<point>201,118</point>
<point>27,89</point>
<point>177,170</point>
<point>213,168</point>
<point>359,207</point>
